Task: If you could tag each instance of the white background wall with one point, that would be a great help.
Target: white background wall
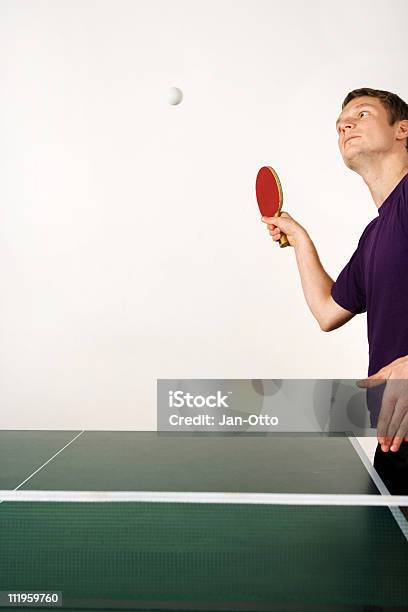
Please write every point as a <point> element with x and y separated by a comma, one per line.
<point>131,247</point>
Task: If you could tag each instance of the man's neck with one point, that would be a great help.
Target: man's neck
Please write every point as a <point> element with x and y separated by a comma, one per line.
<point>383,176</point>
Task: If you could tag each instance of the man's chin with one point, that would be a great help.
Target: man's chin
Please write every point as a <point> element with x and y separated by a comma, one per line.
<point>352,161</point>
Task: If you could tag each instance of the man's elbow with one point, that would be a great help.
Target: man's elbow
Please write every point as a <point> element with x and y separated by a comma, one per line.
<point>326,326</point>
<point>331,325</point>
<point>332,316</point>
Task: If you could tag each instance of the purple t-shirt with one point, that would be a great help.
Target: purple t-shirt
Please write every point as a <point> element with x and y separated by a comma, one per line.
<point>376,280</point>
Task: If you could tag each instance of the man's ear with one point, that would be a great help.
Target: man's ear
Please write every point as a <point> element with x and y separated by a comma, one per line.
<point>402,129</point>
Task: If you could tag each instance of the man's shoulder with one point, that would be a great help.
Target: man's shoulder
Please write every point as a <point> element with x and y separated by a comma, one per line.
<point>367,230</point>
<point>404,188</point>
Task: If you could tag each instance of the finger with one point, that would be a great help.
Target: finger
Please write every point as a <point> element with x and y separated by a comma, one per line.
<point>396,443</point>
<point>401,433</point>
<point>397,418</point>
<point>398,414</point>
<point>268,219</point>
<point>286,215</point>
<point>369,383</point>
<point>276,221</point>
<point>384,419</point>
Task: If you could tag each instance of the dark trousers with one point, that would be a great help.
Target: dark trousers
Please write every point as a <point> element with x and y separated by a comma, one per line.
<point>393,469</point>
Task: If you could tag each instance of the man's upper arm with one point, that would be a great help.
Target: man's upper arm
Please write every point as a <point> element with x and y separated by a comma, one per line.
<point>335,315</point>
<point>348,295</point>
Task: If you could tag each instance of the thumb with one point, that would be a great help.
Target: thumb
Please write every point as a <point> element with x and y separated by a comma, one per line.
<point>277,221</point>
<point>370,382</point>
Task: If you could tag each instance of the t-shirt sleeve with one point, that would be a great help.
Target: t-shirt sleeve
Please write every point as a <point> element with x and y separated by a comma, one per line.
<point>348,290</point>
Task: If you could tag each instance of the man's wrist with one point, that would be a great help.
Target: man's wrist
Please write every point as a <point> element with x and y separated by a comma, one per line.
<point>302,240</point>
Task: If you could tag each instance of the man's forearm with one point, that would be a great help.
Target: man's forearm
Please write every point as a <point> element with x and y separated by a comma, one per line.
<point>316,283</point>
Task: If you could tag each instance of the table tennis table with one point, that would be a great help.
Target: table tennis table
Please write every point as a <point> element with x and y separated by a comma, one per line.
<point>198,521</point>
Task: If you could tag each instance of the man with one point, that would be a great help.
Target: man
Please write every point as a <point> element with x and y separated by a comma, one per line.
<point>373,141</point>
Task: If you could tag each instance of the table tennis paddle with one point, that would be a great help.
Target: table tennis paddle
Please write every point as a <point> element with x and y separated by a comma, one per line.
<point>270,196</point>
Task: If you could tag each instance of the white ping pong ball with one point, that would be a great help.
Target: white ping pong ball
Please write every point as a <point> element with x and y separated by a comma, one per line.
<point>175,96</point>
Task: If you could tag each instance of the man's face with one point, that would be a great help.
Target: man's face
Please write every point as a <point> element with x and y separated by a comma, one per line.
<point>363,131</point>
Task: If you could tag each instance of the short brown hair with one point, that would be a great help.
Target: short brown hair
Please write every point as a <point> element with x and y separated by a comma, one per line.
<point>396,108</point>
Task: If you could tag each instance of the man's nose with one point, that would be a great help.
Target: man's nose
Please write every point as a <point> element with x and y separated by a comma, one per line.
<point>346,125</point>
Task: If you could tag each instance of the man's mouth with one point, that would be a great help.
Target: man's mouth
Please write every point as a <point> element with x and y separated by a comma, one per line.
<point>350,138</point>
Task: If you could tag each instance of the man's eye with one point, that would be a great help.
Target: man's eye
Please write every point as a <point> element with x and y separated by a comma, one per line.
<point>359,114</point>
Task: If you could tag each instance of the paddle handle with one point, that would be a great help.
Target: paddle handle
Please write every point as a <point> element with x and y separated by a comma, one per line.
<point>283,241</point>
